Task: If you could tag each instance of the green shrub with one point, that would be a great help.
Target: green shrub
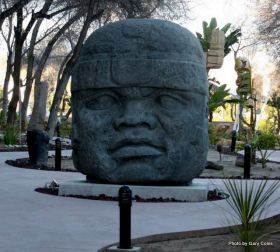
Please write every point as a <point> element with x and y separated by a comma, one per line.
<point>266,125</point>
<point>264,141</point>
<point>242,136</point>
<point>65,129</point>
<point>239,146</point>
<point>211,134</point>
<point>11,135</point>
<point>2,119</point>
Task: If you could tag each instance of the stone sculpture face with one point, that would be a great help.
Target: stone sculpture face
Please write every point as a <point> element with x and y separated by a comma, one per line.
<point>139,99</point>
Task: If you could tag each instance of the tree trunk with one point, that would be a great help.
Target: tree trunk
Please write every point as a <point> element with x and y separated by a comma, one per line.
<point>49,47</point>
<point>62,82</point>
<point>29,74</point>
<point>210,116</point>
<point>17,6</point>
<point>9,69</point>
<point>278,122</point>
<point>37,138</point>
<point>6,86</point>
<point>241,128</point>
<point>37,120</point>
<point>11,117</point>
<point>20,37</point>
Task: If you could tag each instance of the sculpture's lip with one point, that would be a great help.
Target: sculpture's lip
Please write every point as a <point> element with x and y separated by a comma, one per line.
<point>136,148</point>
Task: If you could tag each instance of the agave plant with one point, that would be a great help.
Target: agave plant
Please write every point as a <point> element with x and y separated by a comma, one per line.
<point>249,200</point>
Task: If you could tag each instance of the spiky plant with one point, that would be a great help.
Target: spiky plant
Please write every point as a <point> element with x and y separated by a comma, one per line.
<point>249,201</point>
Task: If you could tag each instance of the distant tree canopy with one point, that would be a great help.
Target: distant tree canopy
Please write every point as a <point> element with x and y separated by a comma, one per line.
<point>269,26</point>
<point>38,33</point>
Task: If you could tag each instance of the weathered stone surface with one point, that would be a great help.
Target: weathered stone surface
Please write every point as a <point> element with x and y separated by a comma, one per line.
<point>38,146</point>
<point>139,99</point>
<point>213,166</point>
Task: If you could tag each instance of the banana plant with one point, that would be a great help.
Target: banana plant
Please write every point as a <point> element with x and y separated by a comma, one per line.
<point>217,98</point>
<point>205,38</point>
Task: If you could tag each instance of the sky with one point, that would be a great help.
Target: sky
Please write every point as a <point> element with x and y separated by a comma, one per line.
<point>236,12</point>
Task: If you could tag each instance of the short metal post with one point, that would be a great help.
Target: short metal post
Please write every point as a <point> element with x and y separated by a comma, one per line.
<point>125,203</point>
<point>57,128</point>
<point>247,161</point>
<point>58,154</point>
<point>233,140</point>
<point>219,149</point>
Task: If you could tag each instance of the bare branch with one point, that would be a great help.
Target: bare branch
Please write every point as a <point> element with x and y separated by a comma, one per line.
<point>18,5</point>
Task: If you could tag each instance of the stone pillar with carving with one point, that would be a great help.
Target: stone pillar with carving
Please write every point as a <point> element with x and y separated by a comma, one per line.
<point>215,55</point>
<point>37,138</point>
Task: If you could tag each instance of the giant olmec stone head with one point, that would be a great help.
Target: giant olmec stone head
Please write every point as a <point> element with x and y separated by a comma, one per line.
<point>139,99</point>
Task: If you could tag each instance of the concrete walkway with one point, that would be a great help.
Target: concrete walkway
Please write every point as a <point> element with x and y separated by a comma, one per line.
<point>272,155</point>
<point>34,222</point>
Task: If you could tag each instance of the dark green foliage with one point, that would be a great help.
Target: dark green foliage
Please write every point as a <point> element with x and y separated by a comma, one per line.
<point>11,135</point>
<point>217,98</point>
<point>65,129</point>
<point>231,39</point>
<point>274,102</point>
<point>264,141</point>
<point>2,119</point>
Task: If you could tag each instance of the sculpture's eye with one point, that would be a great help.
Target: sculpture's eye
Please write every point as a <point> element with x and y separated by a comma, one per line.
<point>169,102</point>
<point>101,102</point>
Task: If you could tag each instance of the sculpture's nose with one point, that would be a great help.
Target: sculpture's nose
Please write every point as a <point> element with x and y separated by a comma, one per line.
<point>135,114</point>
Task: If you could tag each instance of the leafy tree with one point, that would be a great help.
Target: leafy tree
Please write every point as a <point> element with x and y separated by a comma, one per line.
<point>274,102</point>
<point>30,14</point>
<point>269,26</point>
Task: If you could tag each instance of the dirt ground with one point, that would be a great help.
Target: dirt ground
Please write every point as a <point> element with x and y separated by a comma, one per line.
<point>216,243</point>
<point>272,169</point>
<point>213,240</point>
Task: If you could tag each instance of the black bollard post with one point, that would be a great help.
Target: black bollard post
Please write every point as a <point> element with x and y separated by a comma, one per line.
<point>247,161</point>
<point>125,203</point>
<point>219,149</point>
<point>57,128</point>
<point>233,140</point>
<point>58,154</point>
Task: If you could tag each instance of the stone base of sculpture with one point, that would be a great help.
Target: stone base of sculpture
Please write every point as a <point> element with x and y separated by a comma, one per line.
<point>195,192</point>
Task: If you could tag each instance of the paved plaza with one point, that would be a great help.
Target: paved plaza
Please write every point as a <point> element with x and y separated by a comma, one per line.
<point>34,222</point>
